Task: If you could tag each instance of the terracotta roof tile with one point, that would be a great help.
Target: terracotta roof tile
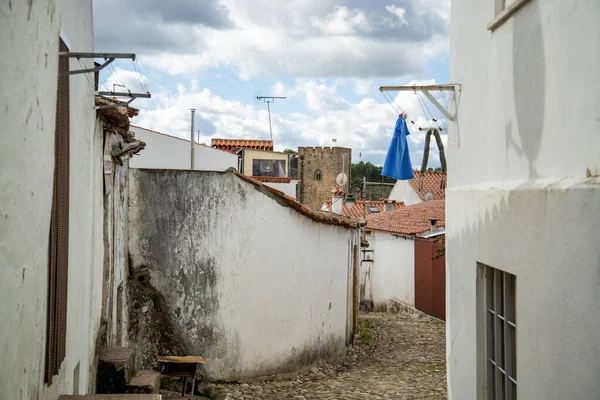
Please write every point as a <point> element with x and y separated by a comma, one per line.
<point>357,209</point>
<point>273,179</point>
<point>233,144</point>
<point>409,220</point>
<point>431,183</point>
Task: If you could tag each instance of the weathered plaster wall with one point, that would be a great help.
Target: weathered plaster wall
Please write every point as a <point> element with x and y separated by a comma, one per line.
<point>169,152</point>
<point>116,256</point>
<point>391,274</point>
<point>403,191</point>
<point>29,33</point>
<point>519,198</point>
<point>253,285</point>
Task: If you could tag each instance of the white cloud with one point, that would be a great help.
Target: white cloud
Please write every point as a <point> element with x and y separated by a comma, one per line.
<point>399,12</point>
<point>342,21</point>
<point>365,126</point>
<point>302,38</point>
<point>362,86</point>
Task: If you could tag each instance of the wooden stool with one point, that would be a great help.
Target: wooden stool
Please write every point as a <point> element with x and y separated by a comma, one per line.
<point>181,366</point>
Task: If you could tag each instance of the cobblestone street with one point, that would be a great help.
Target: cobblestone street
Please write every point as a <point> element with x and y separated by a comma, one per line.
<point>397,356</point>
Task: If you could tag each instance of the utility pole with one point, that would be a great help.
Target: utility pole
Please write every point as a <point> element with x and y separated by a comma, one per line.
<point>269,100</point>
<point>193,110</point>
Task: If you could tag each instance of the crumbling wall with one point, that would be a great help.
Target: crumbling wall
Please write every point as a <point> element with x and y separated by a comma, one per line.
<point>249,283</point>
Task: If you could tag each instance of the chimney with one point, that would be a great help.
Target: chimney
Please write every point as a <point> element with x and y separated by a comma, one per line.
<point>389,205</point>
<point>433,224</point>
<point>337,200</point>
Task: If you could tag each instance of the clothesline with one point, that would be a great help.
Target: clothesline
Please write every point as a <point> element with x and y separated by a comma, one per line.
<point>401,112</point>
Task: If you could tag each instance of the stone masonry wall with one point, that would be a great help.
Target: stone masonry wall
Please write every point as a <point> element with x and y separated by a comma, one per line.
<point>330,161</point>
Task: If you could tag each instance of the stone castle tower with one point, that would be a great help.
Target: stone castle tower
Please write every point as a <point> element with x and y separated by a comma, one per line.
<point>318,168</point>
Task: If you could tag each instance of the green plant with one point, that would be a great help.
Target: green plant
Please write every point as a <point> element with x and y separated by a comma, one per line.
<point>365,337</point>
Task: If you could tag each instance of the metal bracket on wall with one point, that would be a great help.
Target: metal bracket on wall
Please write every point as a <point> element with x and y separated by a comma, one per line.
<point>108,58</point>
<point>446,87</point>
<point>114,95</point>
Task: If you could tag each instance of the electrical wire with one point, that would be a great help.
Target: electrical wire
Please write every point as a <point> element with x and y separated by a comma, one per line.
<point>423,109</point>
<point>140,76</point>
<point>445,99</point>
<point>116,75</point>
<point>87,78</point>
<point>429,111</point>
<point>397,108</point>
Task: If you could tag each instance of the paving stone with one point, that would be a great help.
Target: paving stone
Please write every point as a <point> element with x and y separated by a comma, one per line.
<point>404,359</point>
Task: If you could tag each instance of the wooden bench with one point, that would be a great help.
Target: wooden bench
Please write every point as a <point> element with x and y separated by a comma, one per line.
<point>181,366</point>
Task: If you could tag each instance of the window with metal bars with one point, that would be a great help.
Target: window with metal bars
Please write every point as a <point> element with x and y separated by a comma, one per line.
<point>498,292</point>
<point>59,229</point>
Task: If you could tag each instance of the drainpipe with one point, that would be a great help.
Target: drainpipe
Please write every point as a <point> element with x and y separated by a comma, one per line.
<point>193,110</point>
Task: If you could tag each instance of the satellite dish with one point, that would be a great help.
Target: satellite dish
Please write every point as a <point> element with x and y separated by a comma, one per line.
<point>341,179</point>
<point>428,196</point>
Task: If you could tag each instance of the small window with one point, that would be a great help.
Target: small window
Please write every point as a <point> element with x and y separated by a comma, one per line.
<point>373,209</point>
<point>503,9</point>
<point>268,168</point>
<point>318,175</point>
<point>497,295</point>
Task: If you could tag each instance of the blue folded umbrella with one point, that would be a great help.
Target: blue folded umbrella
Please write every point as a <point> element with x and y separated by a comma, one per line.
<point>397,161</point>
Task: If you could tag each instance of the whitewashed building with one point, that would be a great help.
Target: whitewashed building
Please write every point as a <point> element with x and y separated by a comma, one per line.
<point>171,152</point>
<point>251,279</point>
<point>523,205</point>
<point>387,271</point>
<point>51,247</point>
<point>427,186</point>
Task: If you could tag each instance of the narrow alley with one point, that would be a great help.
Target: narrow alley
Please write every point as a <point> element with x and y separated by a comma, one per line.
<point>397,356</point>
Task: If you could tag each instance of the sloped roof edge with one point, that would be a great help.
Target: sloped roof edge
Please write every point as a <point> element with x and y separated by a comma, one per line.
<point>287,201</point>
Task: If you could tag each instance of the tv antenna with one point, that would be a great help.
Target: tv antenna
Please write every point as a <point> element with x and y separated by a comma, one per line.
<point>269,100</point>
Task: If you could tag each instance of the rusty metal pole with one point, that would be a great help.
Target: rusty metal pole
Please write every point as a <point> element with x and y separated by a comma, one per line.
<point>193,110</point>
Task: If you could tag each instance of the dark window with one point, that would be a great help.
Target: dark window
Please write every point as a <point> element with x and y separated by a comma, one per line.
<point>268,168</point>
<point>318,175</point>
<point>498,294</point>
<point>59,229</point>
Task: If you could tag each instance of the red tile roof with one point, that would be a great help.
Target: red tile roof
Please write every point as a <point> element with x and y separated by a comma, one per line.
<point>233,144</point>
<point>431,183</point>
<point>272,179</point>
<point>409,220</point>
<point>357,209</point>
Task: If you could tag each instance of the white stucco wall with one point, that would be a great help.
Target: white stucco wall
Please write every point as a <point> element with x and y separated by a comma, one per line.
<point>403,191</point>
<point>392,274</point>
<point>253,285</point>
<point>519,198</point>
<point>287,188</point>
<point>168,152</point>
<point>29,33</point>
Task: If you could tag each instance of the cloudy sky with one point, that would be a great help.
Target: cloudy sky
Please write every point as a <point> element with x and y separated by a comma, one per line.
<point>328,57</point>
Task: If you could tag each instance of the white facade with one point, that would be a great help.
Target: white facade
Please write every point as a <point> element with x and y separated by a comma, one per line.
<point>391,274</point>
<point>287,188</point>
<point>170,152</point>
<point>403,191</point>
<point>251,283</point>
<point>29,34</point>
<point>524,193</point>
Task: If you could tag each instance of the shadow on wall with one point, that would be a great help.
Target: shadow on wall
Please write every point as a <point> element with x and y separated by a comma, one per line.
<point>150,328</point>
<point>529,75</point>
